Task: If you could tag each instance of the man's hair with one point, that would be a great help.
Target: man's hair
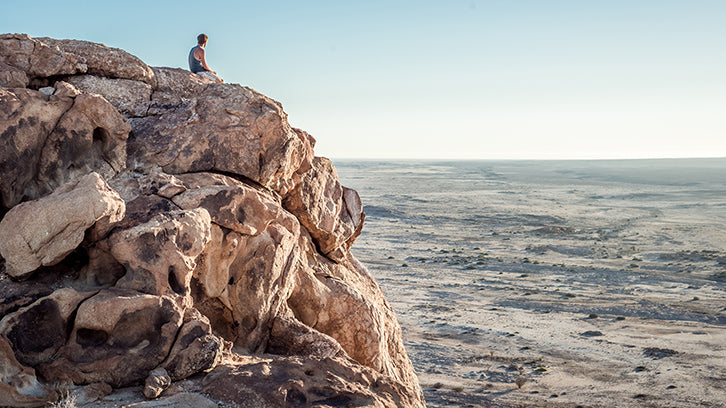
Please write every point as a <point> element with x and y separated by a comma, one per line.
<point>202,38</point>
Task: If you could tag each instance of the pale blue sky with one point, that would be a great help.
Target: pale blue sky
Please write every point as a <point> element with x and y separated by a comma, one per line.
<point>534,79</point>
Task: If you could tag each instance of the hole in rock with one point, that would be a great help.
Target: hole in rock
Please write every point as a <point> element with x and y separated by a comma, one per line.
<point>100,135</point>
<point>174,283</point>
<point>295,397</point>
<point>90,337</point>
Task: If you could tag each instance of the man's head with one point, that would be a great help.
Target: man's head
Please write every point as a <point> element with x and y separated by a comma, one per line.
<point>202,39</point>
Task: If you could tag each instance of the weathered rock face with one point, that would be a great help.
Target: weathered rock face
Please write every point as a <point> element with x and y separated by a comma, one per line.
<point>36,58</point>
<point>44,231</point>
<point>48,141</point>
<point>156,225</point>
<point>225,128</point>
<point>331,213</point>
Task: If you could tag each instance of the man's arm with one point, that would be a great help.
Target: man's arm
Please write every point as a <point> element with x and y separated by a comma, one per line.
<point>200,55</point>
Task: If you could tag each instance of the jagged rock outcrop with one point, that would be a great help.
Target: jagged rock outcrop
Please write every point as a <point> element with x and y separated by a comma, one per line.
<point>156,225</point>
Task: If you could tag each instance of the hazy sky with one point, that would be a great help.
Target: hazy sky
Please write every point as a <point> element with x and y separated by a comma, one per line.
<point>542,79</point>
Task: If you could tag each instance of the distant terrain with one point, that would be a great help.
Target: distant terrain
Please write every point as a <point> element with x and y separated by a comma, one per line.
<point>557,284</point>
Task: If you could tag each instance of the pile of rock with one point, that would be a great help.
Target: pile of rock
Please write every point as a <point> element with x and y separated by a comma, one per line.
<point>155,226</point>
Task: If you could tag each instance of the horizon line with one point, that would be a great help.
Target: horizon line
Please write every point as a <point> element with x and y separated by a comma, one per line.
<point>527,159</point>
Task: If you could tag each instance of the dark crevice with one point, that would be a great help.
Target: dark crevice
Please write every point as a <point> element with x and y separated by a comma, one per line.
<point>243,179</point>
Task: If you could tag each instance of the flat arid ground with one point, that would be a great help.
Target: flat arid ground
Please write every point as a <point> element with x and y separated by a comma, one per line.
<point>558,284</point>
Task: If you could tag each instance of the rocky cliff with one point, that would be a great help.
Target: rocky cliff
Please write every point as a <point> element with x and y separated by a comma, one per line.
<point>159,229</point>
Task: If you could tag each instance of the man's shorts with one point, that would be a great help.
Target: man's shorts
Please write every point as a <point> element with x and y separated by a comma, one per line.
<point>210,75</point>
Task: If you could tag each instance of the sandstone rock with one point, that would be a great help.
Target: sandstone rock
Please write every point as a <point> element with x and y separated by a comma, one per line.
<point>196,348</point>
<point>289,336</point>
<point>236,207</point>
<point>27,117</point>
<point>104,61</point>
<point>131,98</point>
<point>63,88</point>
<point>226,128</point>
<point>118,337</point>
<point>19,386</point>
<point>161,184</point>
<point>178,82</point>
<point>16,294</point>
<point>37,59</point>
<point>181,400</point>
<point>159,255</point>
<point>90,136</point>
<point>343,301</point>
<point>44,231</point>
<point>304,382</point>
<point>56,139</point>
<point>36,332</point>
<point>11,77</point>
<point>234,237</point>
<point>157,381</point>
<point>333,215</point>
<point>248,266</point>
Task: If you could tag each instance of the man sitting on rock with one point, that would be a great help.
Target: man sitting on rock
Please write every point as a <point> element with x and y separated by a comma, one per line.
<point>198,63</point>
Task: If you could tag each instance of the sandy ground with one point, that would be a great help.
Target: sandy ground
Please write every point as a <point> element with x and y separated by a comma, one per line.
<point>545,287</point>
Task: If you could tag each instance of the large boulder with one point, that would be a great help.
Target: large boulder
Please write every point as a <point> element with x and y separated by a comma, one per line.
<point>44,231</point>
<point>104,61</point>
<point>118,337</point>
<point>224,128</point>
<point>331,213</point>
<point>305,382</point>
<point>131,98</point>
<point>36,332</point>
<point>37,59</point>
<point>159,255</point>
<point>196,349</point>
<point>12,77</point>
<point>220,244</point>
<point>50,140</point>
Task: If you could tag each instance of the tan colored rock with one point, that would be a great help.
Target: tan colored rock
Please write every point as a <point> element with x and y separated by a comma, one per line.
<point>131,98</point>
<point>196,349</point>
<point>161,184</point>
<point>118,337</point>
<point>234,235</point>
<point>181,400</point>
<point>343,301</point>
<point>105,61</point>
<point>37,59</point>
<point>27,117</point>
<point>11,77</point>
<point>305,382</point>
<point>56,139</point>
<point>332,214</point>
<point>63,88</point>
<point>180,83</point>
<point>44,231</point>
<point>19,387</point>
<point>159,255</point>
<point>226,128</point>
<point>36,332</point>
<point>91,136</point>
<point>157,381</point>
<point>236,207</point>
<point>289,336</point>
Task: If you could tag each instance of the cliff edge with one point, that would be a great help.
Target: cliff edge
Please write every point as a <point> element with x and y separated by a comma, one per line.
<point>161,230</point>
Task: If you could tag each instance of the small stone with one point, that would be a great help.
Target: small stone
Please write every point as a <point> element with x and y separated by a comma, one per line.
<point>157,381</point>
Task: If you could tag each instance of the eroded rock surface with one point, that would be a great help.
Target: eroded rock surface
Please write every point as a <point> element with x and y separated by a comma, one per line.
<point>42,232</point>
<point>156,226</point>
